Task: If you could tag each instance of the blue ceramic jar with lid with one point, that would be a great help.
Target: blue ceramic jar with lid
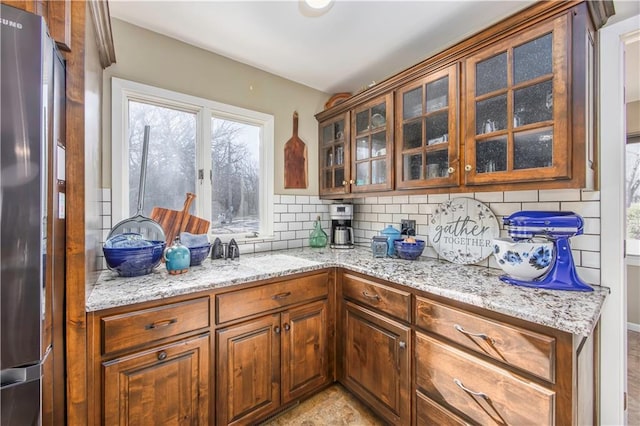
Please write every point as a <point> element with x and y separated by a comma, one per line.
<point>392,234</point>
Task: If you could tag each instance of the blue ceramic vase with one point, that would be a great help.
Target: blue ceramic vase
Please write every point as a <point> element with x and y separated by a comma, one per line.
<point>177,258</point>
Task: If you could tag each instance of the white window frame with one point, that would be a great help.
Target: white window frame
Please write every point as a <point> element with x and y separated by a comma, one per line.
<point>122,91</point>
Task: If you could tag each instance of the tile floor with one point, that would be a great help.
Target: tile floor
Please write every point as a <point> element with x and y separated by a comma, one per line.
<point>633,378</point>
<point>332,407</point>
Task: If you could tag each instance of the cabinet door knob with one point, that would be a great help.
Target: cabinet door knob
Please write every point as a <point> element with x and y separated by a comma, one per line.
<point>162,355</point>
<point>351,181</point>
<point>403,344</point>
<point>277,329</point>
<point>451,170</point>
<point>468,168</point>
<point>344,182</point>
<point>287,327</point>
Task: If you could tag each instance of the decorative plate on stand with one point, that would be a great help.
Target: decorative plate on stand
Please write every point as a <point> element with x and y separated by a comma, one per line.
<point>461,230</point>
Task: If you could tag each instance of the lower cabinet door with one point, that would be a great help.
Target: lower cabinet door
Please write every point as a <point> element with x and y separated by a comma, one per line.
<point>428,413</point>
<point>165,385</point>
<point>305,350</point>
<point>484,392</point>
<point>248,379</point>
<point>377,362</point>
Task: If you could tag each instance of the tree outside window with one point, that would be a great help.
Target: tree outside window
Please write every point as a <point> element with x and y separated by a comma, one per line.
<point>632,187</point>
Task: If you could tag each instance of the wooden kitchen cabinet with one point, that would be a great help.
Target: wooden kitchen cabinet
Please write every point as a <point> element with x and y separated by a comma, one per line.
<point>356,149</point>
<point>57,14</point>
<point>427,131</point>
<point>375,345</point>
<point>377,362</point>
<point>267,362</point>
<point>516,97</point>
<point>152,364</point>
<point>509,108</point>
<point>168,384</point>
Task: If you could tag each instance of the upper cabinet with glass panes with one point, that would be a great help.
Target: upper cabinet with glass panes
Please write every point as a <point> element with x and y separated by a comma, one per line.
<point>372,145</point>
<point>516,108</point>
<point>334,155</point>
<point>426,143</point>
<point>509,108</point>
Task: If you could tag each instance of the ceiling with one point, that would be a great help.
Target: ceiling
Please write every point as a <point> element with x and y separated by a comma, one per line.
<point>352,45</point>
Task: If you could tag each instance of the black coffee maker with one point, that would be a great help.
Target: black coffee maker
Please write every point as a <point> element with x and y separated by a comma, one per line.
<point>341,230</point>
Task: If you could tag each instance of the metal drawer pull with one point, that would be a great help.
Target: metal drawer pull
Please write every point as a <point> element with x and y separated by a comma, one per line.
<point>480,335</point>
<point>162,356</point>
<point>371,296</point>
<point>461,386</point>
<point>281,295</point>
<point>160,324</point>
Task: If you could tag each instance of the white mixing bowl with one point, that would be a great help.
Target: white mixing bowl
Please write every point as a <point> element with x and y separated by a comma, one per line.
<point>524,260</point>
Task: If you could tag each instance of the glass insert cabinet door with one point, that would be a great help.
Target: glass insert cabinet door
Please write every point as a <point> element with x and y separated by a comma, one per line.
<point>372,145</point>
<point>426,143</point>
<point>516,108</point>
<point>334,155</point>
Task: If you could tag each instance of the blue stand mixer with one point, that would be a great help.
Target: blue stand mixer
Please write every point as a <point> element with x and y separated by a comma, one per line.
<point>556,227</point>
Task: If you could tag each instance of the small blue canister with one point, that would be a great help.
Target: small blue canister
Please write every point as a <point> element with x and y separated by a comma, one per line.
<point>177,258</point>
<point>392,234</point>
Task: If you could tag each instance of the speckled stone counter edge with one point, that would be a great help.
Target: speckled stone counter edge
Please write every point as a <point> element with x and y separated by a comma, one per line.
<point>573,312</point>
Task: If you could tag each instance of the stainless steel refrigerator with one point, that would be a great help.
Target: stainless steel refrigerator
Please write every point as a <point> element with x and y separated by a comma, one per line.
<point>31,213</point>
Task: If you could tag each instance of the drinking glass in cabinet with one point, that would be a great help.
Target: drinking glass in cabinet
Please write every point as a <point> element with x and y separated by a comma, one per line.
<point>437,127</point>
<point>328,157</point>
<point>339,155</point>
<point>378,172</point>
<point>362,148</point>
<point>491,155</point>
<point>533,149</point>
<point>362,173</point>
<point>437,164</point>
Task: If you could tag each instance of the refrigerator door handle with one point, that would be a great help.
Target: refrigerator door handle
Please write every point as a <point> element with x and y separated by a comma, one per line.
<point>14,376</point>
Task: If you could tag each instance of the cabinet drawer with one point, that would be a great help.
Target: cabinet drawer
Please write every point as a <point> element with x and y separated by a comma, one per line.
<point>146,326</point>
<point>243,303</point>
<point>482,391</point>
<point>524,349</point>
<point>428,413</point>
<point>392,302</point>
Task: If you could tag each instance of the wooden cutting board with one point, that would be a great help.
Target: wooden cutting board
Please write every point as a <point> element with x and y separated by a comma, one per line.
<point>173,221</point>
<point>295,159</point>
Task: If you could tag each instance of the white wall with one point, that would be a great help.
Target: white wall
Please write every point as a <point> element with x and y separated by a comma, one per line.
<point>150,58</point>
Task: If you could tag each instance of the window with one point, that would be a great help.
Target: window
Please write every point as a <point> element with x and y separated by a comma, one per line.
<point>632,190</point>
<point>230,170</point>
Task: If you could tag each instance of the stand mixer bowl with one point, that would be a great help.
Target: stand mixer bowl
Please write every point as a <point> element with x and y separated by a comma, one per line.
<point>524,260</point>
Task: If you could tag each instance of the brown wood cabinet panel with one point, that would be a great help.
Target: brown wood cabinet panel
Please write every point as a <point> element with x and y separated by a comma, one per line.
<point>484,392</point>
<point>335,153</point>
<point>377,362</point>
<point>428,413</point>
<point>252,301</point>
<point>59,22</point>
<point>248,365</point>
<point>393,302</point>
<point>131,329</point>
<point>532,352</point>
<point>164,385</point>
<point>305,350</point>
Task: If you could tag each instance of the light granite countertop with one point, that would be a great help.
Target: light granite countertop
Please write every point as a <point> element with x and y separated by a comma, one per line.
<point>569,311</point>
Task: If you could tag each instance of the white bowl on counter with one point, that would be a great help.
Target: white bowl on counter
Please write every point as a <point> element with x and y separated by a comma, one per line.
<point>524,260</point>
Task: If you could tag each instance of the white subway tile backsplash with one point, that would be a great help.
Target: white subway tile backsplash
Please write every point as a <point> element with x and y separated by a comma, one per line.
<point>276,199</point>
<point>303,216</point>
<point>265,246</point>
<point>294,244</point>
<point>288,199</point>
<point>106,222</point>
<point>410,208</point>
<point>294,208</point>
<point>590,259</point>
<point>438,198</point>
<point>588,195</point>
<point>505,209</point>
<point>279,245</point>
<point>418,199</point>
<point>590,275</point>
<point>295,226</point>
<point>309,208</point>
<point>400,199</point>
<point>519,196</point>
<point>384,200</point>
<point>488,197</point>
<point>280,208</point>
<point>364,208</point>
<point>385,218</point>
<point>585,242</point>
<point>378,208</point>
<point>583,208</point>
<point>541,206</point>
<point>302,199</point>
<point>393,208</point>
<point>425,209</point>
<point>280,226</point>
<point>105,194</point>
<point>287,217</point>
<point>592,225</point>
<point>560,195</point>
